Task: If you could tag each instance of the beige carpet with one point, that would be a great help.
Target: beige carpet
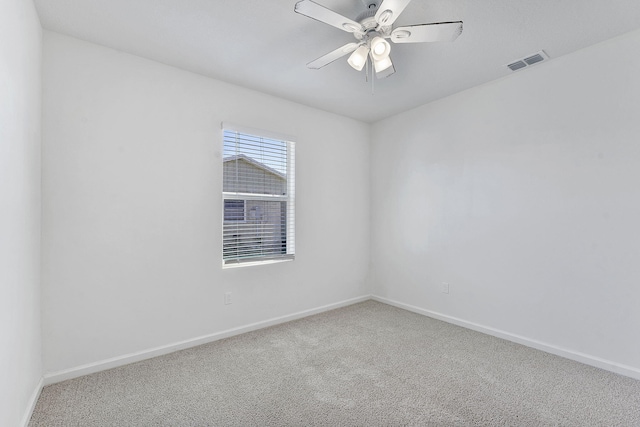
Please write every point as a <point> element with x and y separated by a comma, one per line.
<point>369,364</point>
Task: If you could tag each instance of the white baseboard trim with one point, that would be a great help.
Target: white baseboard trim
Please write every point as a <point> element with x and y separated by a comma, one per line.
<point>608,365</point>
<point>114,362</point>
<point>32,403</point>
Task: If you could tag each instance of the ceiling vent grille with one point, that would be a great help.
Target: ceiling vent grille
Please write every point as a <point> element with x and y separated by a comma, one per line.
<point>517,65</point>
<point>529,60</point>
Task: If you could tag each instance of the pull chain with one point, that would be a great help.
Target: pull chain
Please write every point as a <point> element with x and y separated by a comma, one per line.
<point>366,72</point>
<point>373,79</point>
<point>369,65</point>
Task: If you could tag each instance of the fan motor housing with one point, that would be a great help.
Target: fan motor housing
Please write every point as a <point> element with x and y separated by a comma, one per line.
<point>368,21</point>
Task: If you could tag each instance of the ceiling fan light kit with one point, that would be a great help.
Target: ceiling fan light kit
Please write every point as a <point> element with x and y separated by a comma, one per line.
<point>358,58</point>
<point>380,48</point>
<point>382,64</point>
<point>371,29</point>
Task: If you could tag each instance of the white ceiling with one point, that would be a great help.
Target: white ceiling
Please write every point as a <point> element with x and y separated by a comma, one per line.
<point>264,45</point>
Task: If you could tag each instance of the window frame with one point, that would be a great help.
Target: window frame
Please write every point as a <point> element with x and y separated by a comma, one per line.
<point>288,198</point>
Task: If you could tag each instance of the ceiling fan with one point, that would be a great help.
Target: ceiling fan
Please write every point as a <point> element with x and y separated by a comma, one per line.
<point>371,29</point>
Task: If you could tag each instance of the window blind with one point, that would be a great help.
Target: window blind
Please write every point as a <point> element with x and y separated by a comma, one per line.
<point>258,198</point>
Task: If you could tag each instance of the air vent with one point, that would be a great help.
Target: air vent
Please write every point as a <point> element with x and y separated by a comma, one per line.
<point>517,65</point>
<point>533,59</point>
<point>529,60</point>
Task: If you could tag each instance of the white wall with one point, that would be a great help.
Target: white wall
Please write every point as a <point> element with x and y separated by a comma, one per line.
<point>524,195</point>
<point>20,102</point>
<point>132,206</point>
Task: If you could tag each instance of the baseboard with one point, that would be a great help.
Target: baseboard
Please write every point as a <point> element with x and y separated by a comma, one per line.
<point>90,368</point>
<point>32,403</point>
<point>597,362</point>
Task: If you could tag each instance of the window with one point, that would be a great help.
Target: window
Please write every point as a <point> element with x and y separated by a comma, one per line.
<point>258,191</point>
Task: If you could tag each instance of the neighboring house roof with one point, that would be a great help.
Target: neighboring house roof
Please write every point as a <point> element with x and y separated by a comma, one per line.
<point>256,164</point>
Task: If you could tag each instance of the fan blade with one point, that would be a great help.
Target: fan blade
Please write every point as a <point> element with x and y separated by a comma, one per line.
<point>389,11</point>
<point>386,73</point>
<point>439,32</point>
<point>332,56</point>
<point>322,14</point>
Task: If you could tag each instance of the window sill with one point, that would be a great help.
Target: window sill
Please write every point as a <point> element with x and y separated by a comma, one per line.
<point>254,263</point>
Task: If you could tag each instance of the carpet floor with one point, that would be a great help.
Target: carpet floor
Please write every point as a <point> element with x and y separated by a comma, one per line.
<point>368,364</point>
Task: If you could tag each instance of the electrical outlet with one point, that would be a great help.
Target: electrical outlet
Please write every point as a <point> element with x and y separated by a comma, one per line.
<point>227,298</point>
<point>444,287</point>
